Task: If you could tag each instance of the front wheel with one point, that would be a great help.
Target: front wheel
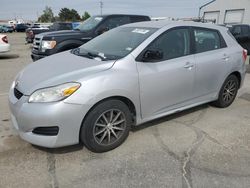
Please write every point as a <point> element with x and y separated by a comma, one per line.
<point>228,92</point>
<point>106,126</point>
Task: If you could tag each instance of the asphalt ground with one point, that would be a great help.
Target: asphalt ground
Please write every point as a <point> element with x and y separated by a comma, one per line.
<point>200,147</point>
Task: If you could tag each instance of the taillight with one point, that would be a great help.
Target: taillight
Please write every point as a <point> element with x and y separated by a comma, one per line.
<point>5,39</point>
<point>244,55</point>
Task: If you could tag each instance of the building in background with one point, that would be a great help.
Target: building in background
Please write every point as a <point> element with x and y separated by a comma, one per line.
<point>226,12</point>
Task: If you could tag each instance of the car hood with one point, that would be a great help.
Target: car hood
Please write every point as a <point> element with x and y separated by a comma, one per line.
<point>63,33</point>
<point>57,69</point>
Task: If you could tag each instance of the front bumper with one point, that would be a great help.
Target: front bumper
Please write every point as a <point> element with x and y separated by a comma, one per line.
<point>4,48</point>
<point>28,116</point>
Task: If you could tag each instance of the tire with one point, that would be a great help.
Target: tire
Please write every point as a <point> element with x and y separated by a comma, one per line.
<point>104,129</point>
<point>228,92</point>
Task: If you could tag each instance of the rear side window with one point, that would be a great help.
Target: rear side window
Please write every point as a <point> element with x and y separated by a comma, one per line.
<point>207,40</point>
<point>115,22</point>
<point>67,26</point>
<point>139,18</point>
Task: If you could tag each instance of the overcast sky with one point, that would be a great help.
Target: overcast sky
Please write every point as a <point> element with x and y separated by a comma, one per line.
<point>30,9</point>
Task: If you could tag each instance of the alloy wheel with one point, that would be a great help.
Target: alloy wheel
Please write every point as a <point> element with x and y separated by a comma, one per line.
<point>109,127</point>
<point>230,90</point>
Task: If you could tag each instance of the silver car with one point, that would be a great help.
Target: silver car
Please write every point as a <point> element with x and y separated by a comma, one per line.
<point>130,75</point>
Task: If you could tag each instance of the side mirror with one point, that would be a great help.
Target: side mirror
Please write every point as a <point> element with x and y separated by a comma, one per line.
<point>152,55</point>
<point>102,30</point>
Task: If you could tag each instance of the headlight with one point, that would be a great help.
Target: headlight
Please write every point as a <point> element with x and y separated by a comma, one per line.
<point>48,45</point>
<point>53,94</point>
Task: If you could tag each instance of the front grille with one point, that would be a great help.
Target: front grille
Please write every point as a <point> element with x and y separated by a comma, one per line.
<point>46,131</point>
<point>17,93</point>
<point>36,43</point>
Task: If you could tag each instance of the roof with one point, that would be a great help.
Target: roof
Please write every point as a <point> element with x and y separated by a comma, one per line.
<point>106,15</point>
<point>165,23</point>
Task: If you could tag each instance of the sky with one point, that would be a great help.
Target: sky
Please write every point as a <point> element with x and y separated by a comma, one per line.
<point>31,9</point>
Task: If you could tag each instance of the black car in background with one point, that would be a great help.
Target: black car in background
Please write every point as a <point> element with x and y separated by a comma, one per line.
<point>49,43</point>
<point>21,27</point>
<point>241,33</point>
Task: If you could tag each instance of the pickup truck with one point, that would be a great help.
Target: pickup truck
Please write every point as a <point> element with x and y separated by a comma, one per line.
<point>49,43</point>
<point>57,26</point>
<point>241,33</point>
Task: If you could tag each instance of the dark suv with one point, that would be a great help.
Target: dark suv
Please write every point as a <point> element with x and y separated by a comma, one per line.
<point>49,43</point>
<point>241,33</point>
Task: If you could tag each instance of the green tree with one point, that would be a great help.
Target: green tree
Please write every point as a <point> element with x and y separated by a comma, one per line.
<point>47,16</point>
<point>66,14</point>
<point>85,16</point>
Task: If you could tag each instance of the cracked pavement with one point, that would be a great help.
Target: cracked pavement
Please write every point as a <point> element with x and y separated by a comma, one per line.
<point>200,147</point>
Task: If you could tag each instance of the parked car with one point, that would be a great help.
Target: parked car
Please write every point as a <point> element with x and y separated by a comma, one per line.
<point>58,26</point>
<point>9,28</point>
<point>3,29</point>
<point>34,30</point>
<point>4,45</point>
<point>127,76</point>
<point>241,32</point>
<point>50,43</point>
<point>21,27</point>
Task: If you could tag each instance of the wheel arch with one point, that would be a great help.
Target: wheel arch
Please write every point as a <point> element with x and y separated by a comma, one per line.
<point>238,75</point>
<point>125,100</point>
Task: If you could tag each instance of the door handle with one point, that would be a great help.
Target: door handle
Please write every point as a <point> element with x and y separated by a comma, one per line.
<point>188,65</point>
<point>225,57</point>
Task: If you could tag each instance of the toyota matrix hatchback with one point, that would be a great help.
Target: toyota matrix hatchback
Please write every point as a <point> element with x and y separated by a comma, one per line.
<point>130,75</point>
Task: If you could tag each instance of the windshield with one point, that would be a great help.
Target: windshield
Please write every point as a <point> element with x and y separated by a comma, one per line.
<point>90,23</point>
<point>115,44</point>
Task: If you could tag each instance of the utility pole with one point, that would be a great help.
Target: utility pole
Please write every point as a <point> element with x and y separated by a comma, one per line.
<point>37,14</point>
<point>101,6</point>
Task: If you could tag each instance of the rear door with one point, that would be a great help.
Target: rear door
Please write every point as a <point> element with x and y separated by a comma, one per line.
<point>212,61</point>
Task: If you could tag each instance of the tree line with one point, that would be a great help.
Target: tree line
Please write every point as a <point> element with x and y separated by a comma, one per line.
<point>65,14</point>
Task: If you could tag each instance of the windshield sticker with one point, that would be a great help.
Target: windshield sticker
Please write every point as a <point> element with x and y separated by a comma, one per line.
<point>98,18</point>
<point>128,49</point>
<point>141,31</point>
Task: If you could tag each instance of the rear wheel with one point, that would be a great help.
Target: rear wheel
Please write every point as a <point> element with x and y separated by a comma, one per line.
<point>106,126</point>
<point>228,92</point>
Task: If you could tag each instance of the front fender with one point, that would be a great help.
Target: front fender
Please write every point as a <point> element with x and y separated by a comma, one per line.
<point>118,81</point>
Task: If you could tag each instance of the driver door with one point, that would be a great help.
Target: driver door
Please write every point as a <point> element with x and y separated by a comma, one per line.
<point>167,83</point>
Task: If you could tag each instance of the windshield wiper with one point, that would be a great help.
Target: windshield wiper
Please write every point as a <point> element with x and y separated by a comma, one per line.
<point>90,55</point>
<point>102,57</point>
<point>75,51</point>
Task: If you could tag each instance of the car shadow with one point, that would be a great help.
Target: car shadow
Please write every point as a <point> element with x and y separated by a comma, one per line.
<point>169,117</point>
<point>69,149</point>
<point>9,56</point>
<point>62,150</point>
